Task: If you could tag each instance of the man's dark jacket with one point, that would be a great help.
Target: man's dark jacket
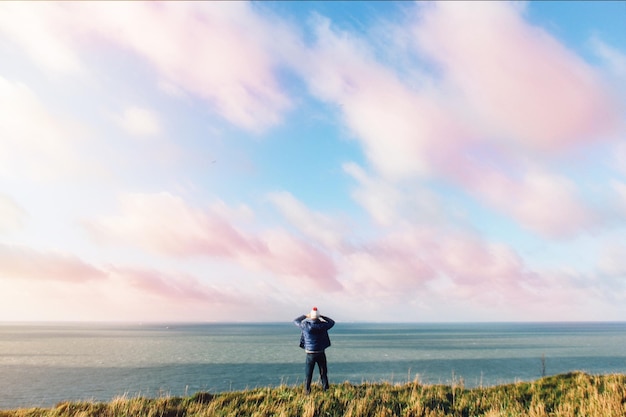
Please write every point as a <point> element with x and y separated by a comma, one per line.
<point>314,336</point>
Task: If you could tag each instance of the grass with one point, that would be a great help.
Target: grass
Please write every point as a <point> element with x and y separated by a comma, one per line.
<point>572,394</point>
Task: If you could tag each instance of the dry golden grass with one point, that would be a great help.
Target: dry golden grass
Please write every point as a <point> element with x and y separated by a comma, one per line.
<point>573,394</point>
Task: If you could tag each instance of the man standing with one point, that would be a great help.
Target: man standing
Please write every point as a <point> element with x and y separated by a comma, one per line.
<point>314,340</point>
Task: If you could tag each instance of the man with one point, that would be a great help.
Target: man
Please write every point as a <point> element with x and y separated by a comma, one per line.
<point>314,340</point>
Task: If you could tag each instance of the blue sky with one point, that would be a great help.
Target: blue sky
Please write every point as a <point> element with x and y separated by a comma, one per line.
<point>384,161</point>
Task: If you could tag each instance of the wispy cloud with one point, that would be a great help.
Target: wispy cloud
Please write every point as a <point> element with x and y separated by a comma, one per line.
<point>518,81</point>
<point>173,287</point>
<point>328,231</point>
<point>24,263</point>
<point>145,222</point>
<point>615,58</point>
<point>218,53</point>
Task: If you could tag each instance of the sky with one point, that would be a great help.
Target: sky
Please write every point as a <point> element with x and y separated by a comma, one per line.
<point>246,161</point>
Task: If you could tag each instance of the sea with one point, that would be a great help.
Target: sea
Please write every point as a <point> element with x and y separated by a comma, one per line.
<point>42,365</point>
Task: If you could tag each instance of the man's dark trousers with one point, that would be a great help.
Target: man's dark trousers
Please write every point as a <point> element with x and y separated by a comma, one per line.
<point>318,358</point>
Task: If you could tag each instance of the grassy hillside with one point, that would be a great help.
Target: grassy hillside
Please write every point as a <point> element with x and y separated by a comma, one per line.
<point>573,394</point>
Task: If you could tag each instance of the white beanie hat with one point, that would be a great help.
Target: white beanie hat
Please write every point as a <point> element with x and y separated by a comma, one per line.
<point>314,314</point>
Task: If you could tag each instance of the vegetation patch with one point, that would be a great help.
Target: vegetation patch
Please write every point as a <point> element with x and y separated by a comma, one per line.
<point>572,394</point>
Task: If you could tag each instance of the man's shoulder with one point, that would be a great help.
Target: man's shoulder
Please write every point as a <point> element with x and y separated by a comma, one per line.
<point>320,325</point>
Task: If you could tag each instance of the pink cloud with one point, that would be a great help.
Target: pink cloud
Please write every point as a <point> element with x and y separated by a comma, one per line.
<point>47,285</point>
<point>165,224</point>
<point>179,287</point>
<point>125,293</point>
<point>391,205</point>
<point>403,139</point>
<point>23,263</point>
<point>541,201</point>
<point>292,257</point>
<point>429,262</point>
<point>221,52</point>
<point>386,269</point>
<point>519,81</point>
<point>484,270</point>
<point>319,227</point>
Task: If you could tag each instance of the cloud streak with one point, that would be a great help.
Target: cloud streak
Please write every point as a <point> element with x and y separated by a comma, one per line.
<point>183,43</point>
<point>521,83</point>
<point>24,263</point>
<point>145,222</point>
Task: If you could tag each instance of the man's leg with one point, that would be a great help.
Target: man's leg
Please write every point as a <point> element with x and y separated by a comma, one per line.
<point>308,371</point>
<point>322,364</point>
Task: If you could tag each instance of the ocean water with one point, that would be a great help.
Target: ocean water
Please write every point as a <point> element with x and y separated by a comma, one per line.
<point>41,365</point>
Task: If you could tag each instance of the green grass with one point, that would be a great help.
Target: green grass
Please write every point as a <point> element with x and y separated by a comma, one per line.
<point>572,394</point>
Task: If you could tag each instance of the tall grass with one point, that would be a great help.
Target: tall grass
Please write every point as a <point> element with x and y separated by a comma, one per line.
<point>572,394</point>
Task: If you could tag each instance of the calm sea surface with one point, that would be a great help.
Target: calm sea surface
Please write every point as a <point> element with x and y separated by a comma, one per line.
<point>41,365</point>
